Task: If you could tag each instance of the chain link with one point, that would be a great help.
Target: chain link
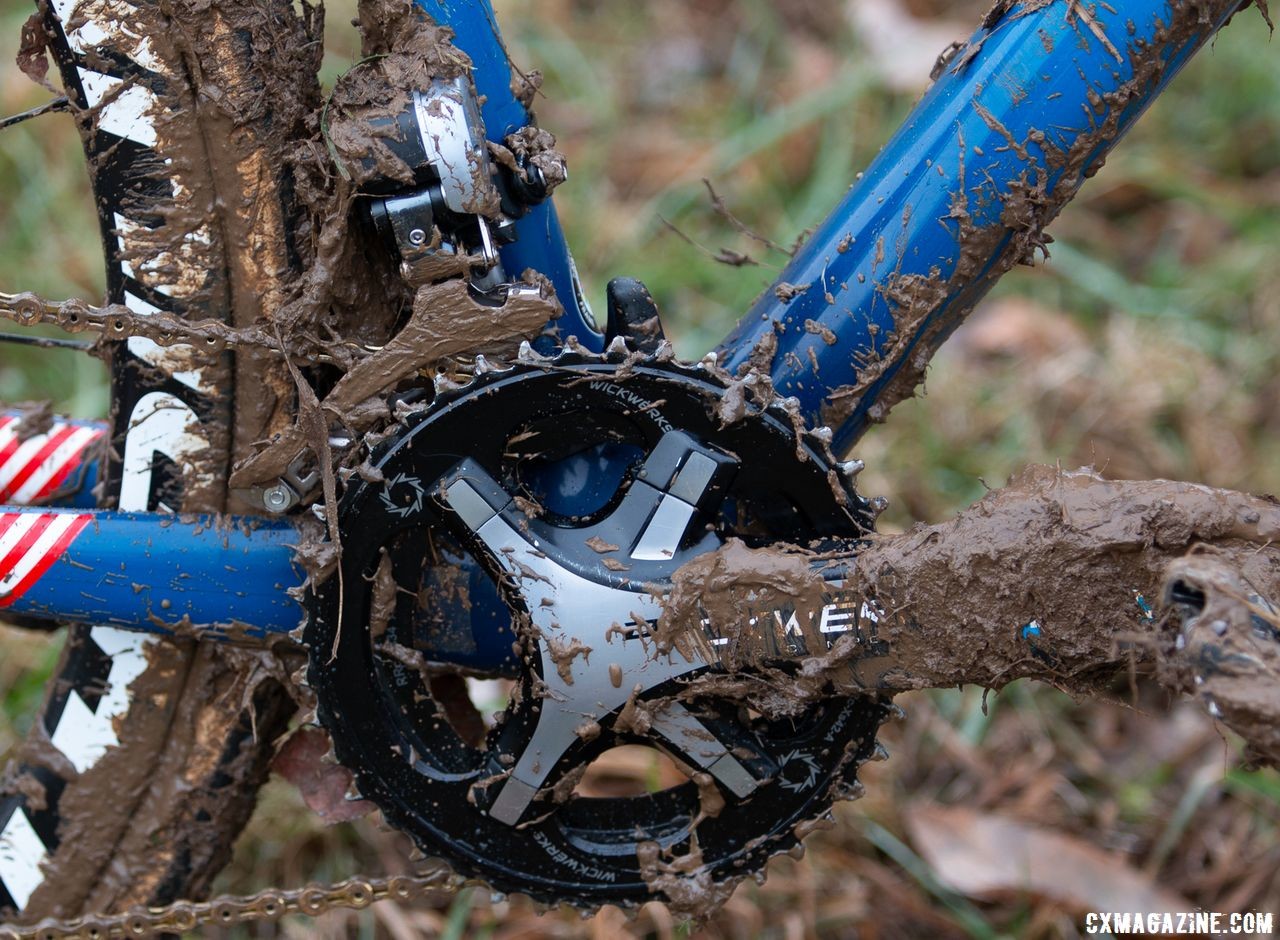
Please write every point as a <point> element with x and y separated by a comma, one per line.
<point>231,910</point>
<point>118,322</point>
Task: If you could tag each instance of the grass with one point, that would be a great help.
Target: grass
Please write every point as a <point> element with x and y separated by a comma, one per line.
<point>49,239</point>
<point>1145,345</point>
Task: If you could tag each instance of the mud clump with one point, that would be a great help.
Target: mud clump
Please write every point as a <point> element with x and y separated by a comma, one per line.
<point>533,147</point>
<point>1054,577</point>
<point>446,320</point>
<point>684,882</point>
<point>362,111</point>
<point>761,579</point>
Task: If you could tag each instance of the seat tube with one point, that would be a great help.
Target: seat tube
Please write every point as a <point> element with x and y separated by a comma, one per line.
<point>541,243</point>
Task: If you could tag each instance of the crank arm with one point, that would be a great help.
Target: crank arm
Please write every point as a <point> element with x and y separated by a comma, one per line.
<point>765,632</point>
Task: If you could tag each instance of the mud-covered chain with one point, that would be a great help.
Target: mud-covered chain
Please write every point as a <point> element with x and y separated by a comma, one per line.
<point>229,910</point>
<point>118,322</point>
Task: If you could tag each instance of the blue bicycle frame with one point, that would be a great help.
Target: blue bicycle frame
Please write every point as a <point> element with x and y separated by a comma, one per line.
<point>1008,131</point>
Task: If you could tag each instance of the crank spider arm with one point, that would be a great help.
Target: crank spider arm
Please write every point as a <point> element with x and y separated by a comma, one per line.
<point>224,576</point>
<point>1014,123</point>
<point>230,577</point>
<point>585,587</point>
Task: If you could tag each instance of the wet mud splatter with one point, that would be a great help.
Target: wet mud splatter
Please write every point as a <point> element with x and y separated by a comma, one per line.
<point>207,230</point>
<point>109,860</point>
<point>533,147</point>
<point>1027,204</point>
<point>1221,644</point>
<point>447,319</point>
<point>1049,578</point>
<point>683,880</point>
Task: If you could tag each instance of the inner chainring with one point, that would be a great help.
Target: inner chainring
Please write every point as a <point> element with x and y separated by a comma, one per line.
<point>470,501</point>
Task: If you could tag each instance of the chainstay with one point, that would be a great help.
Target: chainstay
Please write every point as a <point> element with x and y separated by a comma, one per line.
<point>232,910</point>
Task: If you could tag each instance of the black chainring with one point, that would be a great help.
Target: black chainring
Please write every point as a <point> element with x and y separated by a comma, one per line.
<point>428,765</point>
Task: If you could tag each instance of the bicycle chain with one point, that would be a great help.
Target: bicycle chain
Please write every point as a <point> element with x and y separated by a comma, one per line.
<point>118,322</point>
<point>231,910</point>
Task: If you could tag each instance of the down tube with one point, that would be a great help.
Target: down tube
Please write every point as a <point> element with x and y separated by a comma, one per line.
<point>541,244</point>
<point>997,146</point>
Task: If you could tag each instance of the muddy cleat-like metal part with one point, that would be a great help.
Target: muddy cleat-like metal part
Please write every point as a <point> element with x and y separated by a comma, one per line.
<point>471,501</point>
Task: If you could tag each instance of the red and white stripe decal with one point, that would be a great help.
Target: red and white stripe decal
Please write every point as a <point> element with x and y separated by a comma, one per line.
<point>32,468</point>
<point>29,543</point>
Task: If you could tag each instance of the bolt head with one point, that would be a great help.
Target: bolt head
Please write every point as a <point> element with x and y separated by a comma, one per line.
<point>277,498</point>
<point>417,237</point>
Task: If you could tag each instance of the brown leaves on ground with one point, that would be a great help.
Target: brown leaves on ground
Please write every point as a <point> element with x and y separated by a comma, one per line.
<point>989,856</point>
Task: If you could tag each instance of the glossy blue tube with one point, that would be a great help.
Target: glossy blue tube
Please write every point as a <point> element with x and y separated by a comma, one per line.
<point>984,140</point>
<point>156,573</point>
<point>541,244</point>
<point>993,125</point>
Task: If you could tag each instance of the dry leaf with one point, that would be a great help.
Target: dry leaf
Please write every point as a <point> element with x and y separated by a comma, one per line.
<point>984,855</point>
<point>303,761</point>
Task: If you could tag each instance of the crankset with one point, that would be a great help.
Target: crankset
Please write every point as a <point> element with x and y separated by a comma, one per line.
<point>573,489</point>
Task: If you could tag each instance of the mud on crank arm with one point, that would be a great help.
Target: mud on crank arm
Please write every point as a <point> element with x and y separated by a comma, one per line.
<point>528,525</point>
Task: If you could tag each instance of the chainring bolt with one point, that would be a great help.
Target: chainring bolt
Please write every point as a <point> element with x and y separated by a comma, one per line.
<point>278,498</point>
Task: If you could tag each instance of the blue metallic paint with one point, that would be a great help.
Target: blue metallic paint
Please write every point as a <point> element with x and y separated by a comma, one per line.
<point>156,573</point>
<point>541,244</point>
<point>1034,70</point>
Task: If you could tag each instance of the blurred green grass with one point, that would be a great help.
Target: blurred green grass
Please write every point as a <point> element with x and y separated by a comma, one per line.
<point>49,239</point>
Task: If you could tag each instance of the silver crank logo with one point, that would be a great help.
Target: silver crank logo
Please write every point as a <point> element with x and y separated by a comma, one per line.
<point>798,771</point>
<point>402,495</point>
